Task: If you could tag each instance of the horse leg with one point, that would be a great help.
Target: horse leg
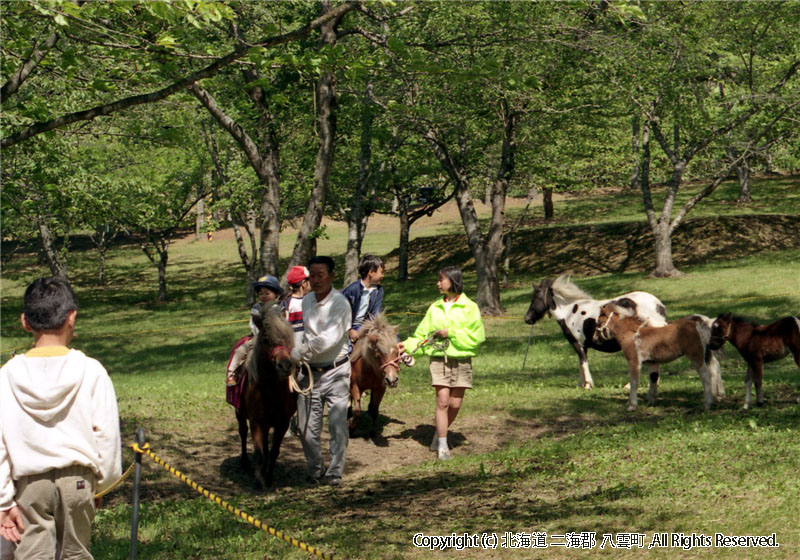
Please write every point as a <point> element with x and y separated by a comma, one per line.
<point>375,399</point>
<point>585,380</point>
<point>705,378</point>
<point>758,377</point>
<point>748,382</point>
<point>259,439</point>
<point>277,438</point>
<point>355,397</point>
<point>717,389</point>
<point>244,461</point>
<point>633,375</point>
<point>652,392</point>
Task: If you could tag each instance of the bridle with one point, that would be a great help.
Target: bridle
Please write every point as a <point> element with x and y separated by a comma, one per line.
<point>406,359</point>
<point>275,350</point>
<point>727,336</point>
<point>603,329</point>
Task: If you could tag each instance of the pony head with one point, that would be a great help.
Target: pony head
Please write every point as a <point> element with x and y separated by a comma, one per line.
<point>720,330</point>
<point>273,343</point>
<point>541,302</point>
<point>378,347</point>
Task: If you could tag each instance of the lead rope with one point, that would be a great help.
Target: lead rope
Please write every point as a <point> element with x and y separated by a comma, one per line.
<point>294,386</point>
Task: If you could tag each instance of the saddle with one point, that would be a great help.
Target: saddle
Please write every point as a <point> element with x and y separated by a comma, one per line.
<point>233,394</point>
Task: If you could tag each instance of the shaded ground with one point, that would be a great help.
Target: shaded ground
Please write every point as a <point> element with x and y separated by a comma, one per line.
<point>616,248</point>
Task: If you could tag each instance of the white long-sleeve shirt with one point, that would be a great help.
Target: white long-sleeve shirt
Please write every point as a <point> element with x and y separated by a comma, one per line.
<point>57,409</point>
<point>326,326</point>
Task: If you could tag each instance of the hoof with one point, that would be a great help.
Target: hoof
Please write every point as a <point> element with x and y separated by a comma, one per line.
<point>631,407</point>
<point>588,386</point>
<point>760,404</point>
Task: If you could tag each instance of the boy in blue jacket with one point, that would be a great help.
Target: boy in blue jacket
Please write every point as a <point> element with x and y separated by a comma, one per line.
<point>365,295</point>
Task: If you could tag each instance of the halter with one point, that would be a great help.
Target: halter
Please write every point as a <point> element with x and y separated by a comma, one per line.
<point>406,359</point>
<point>275,351</point>
<point>603,329</point>
<point>727,335</point>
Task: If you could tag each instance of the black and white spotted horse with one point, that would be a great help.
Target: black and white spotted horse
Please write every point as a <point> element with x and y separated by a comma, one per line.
<point>576,313</point>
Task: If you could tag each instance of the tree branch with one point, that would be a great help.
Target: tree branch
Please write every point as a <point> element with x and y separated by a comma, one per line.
<point>25,69</point>
<point>207,72</point>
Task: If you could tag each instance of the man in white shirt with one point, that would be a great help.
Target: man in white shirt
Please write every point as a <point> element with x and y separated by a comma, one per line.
<point>326,321</point>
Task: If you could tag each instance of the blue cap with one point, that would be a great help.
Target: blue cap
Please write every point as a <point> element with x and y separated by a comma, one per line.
<point>268,281</point>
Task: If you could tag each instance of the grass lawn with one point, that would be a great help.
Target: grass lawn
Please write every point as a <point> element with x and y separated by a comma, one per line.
<point>534,456</point>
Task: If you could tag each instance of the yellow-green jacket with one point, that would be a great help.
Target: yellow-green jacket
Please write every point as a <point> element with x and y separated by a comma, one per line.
<point>464,325</point>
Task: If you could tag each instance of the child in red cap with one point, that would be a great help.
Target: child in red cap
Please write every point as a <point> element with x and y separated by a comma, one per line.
<point>299,285</point>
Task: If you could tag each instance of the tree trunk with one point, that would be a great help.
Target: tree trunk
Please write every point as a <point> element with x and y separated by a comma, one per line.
<point>743,174</point>
<point>200,220</point>
<point>162,276</point>
<point>265,166</point>
<point>250,263</point>
<point>102,238</point>
<point>356,218</point>
<point>160,258</point>
<point>486,251</point>
<point>327,100</point>
<point>405,233</point>
<point>635,181</point>
<point>663,252</point>
<point>547,202</point>
<point>57,264</point>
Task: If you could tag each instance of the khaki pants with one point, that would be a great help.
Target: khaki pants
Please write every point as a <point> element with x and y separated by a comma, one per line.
<point>58,509</point>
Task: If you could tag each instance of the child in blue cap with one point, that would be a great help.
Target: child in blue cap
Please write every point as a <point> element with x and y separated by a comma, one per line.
<point>267,288</point>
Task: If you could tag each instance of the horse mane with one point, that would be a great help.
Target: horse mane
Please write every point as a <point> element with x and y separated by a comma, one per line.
<point>276,332</point>
<point>566,289</point>
<point>386,335</point>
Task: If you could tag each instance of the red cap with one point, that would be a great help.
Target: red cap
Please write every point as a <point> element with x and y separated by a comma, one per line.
<point>297,274</point>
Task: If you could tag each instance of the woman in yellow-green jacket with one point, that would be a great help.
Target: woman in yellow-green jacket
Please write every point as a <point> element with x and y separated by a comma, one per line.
<point>450,334</point>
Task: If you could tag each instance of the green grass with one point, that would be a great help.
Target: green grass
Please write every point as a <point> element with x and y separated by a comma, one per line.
<point>531,451</point>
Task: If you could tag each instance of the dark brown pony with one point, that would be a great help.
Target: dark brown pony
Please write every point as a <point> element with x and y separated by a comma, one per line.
<point>267,402</point>
<point>757,344</point>
<point>374,365</point>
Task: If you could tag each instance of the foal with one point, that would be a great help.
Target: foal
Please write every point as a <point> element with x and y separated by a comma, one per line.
<point>757,344</point>
<point>644,344</point>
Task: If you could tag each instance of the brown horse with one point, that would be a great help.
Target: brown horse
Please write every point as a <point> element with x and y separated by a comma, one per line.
<point>374,365</point>
<point>757,344</point>
<point>267,401</point>
<point>644,344</point>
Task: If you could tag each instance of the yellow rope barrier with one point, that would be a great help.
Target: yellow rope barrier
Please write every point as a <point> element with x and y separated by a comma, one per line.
<point>114,486</point>
<point>145,450</point>
<point>406,313</point>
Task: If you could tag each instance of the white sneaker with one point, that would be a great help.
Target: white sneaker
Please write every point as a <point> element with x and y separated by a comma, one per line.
<point>444,455</point>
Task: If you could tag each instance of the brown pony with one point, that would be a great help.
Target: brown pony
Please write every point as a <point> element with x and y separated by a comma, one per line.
<point>267,401</point>
<point>374,365</point>
<point>644,344</point>
<point>757,344</point>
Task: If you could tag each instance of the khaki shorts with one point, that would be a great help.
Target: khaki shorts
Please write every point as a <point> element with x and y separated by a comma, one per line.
<point>451,373</point>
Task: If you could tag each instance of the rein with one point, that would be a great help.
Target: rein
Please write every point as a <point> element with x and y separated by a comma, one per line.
<point>436,345</point>
<point>294,386</point>
<point>406,359</point>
